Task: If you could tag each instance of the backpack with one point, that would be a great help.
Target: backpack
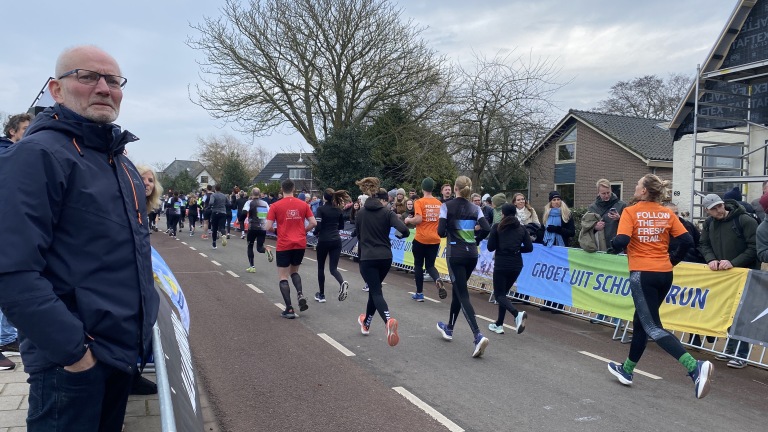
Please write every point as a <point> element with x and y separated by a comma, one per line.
<point>736,224</point>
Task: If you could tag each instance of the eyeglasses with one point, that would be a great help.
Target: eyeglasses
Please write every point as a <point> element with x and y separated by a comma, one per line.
<point>91,78</point>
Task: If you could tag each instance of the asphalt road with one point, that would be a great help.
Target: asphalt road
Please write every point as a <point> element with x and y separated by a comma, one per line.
<point>263,372</point>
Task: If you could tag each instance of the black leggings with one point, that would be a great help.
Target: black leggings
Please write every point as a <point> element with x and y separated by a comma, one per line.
<point>503,279</point>
<point>258,236</point>
<point>373,273</point>
<point>332,250</point>
<point>217,224</point>
<point>241,220</point>
<point>424,253</point>
<point>173,221</point>
<point>192,217</point>
<point>648,292</point>
<point>460,269</point>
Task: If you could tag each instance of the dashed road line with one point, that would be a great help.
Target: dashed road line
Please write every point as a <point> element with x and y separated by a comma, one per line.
<point>637,371</point>
<point>203,255</point>
<point>233,273</point>
<point>253,287</point>
<point>341,269</point>
<point>425,297</point>
<point>451,426</point>
<point>216,262</point>
<point>336,345</point>
<point>307,258</point>
<point>192,248</point>
<point>183,243</point>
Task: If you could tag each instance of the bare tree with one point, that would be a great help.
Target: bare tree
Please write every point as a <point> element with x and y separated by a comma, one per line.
<point>314,65</point>
<point>500,105</point>
<point>216,151</point>
<point>647,96</point>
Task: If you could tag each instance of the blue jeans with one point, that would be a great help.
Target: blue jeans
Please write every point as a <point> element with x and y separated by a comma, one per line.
<point>8,332</point>
<point>88,401</point>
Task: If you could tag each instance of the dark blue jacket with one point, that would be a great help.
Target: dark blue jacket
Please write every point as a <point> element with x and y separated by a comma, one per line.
<point>77,266</point>
<point>5,143</point>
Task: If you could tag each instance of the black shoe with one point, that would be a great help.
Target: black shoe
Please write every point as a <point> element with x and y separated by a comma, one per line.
<point>6,364</point>
<point>288,313</point>
<point>10,348</point>
<point>303,304</point>
<point>142,386</point>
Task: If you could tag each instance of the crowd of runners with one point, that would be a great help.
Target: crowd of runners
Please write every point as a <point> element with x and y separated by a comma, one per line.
<point>463,220</point>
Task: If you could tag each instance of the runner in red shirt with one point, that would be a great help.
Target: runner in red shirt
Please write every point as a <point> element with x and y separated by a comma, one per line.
<point>294,219</point>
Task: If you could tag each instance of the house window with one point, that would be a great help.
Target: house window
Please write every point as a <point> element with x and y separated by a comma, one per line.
<point>721,161</point>
<point>566,192</point>
<point>204,179</point>
<point>276,176</point>
<point>566,148</point>
<point>616,189</point>
<point>296,173</point>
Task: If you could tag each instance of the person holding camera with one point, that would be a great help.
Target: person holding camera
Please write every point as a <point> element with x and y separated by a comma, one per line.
<point>608,207</point>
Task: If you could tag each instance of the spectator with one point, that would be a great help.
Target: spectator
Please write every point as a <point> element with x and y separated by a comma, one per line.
<point>446,192</point>
<point>85,313</point>
<point>608,207</point>
<point>14,129</point>
<point>757,206</point>
<point>559,228</point>
<point>735,194</point>
<point>412,195</point>
<point>399,204</point>
<point>497,201</point>
<point>762,233</point>
<point>485,206</point>
<point>728,241</point>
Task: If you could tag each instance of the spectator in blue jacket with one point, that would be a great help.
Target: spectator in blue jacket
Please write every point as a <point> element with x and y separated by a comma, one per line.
<point>79,284</point>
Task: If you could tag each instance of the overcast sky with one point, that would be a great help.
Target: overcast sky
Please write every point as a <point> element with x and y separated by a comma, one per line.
<point>595,42</point>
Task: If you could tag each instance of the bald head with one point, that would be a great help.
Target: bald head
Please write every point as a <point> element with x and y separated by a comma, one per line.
<point>100,102</point>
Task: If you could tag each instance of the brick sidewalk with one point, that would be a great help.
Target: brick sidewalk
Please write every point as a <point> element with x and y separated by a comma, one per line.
<point>142,413</point>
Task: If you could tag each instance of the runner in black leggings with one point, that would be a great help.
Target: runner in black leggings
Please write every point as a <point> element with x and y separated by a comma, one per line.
<point>509,239</point>
<point>372,229</point>
<point>458,218</point>
<point>329,221</point>
<point>644,230</point>
<point>256,210</point>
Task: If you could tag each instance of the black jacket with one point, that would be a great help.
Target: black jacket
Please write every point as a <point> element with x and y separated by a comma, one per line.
<point>329,221</point>
<point>372,228</point>
<point>509,244</point>
<point>81,263</point>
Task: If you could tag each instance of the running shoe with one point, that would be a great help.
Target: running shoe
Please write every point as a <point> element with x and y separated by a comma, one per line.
<point>242,236</point>
<point>481,342</point>
<point>419,297</point>
<point>303,303</point>
<point>204,237</point>
<point>737,364</point>
<point>227,235</point>
<point>270,257</point>
<point>701,376</point>
<point>364,329</point>
<point>441,292</point>
<point>618,371</point>
<point>191,234</point>
<point>251,269</point>
<point>498,329</point>
<point>520,321</point>
<point>214,247</point>
<point>288,313</point>
<point>365,288</point>
<point>343,290</point>
<point>723,357</point>
<point>444,330</point>
<point>392,337</point>
<point>224,241</point>
<point>6,364</point>
<point>320,298</point>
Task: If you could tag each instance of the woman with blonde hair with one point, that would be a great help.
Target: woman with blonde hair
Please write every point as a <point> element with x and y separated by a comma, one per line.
<point>650,278</point>
<point>557,222</point>
<point>372,229</point>
<point>457,221</point>
<point>152,190</point>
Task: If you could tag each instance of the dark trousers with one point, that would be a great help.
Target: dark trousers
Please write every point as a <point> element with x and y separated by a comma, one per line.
<point>332,251</point>
<point>373,273</point>
<point>257,236</point>
<point>173,221</point>
<point>424,254</point>
<point>460,269</point>
<point>89,401</point>
<point>217,224</point>
<point>503,279</point>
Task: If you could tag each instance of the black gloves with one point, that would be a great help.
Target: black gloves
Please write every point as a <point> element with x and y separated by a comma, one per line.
<point>674,260</point>
<point>554,229</point>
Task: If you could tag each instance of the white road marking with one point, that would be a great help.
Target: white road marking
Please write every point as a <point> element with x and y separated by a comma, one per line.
<point>183,243</point>
<point>637,371</point>
<point>453,427</point>
<point>307,258</point>
<point>203,255</point>
<point>341,269</point>
<point>192,248</point>
<point>216,263</point>
<point>233,273</point>
<point>425,297</point>
<point>336,345</point>
<point>493,321</point>
<point>253,287</point>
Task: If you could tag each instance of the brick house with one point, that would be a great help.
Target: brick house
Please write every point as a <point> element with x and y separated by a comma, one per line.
<point>587,146</point>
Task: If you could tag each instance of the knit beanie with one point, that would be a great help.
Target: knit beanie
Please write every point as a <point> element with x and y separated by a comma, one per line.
<point>401,191</point>
<point>553,195</point>
<point>734,194</point>
<point>499,200</point>
<point>428,184</point>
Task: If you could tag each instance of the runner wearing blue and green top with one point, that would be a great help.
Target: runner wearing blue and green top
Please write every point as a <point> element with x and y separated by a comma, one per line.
<point>458,218</point>
<point>256,209</point>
